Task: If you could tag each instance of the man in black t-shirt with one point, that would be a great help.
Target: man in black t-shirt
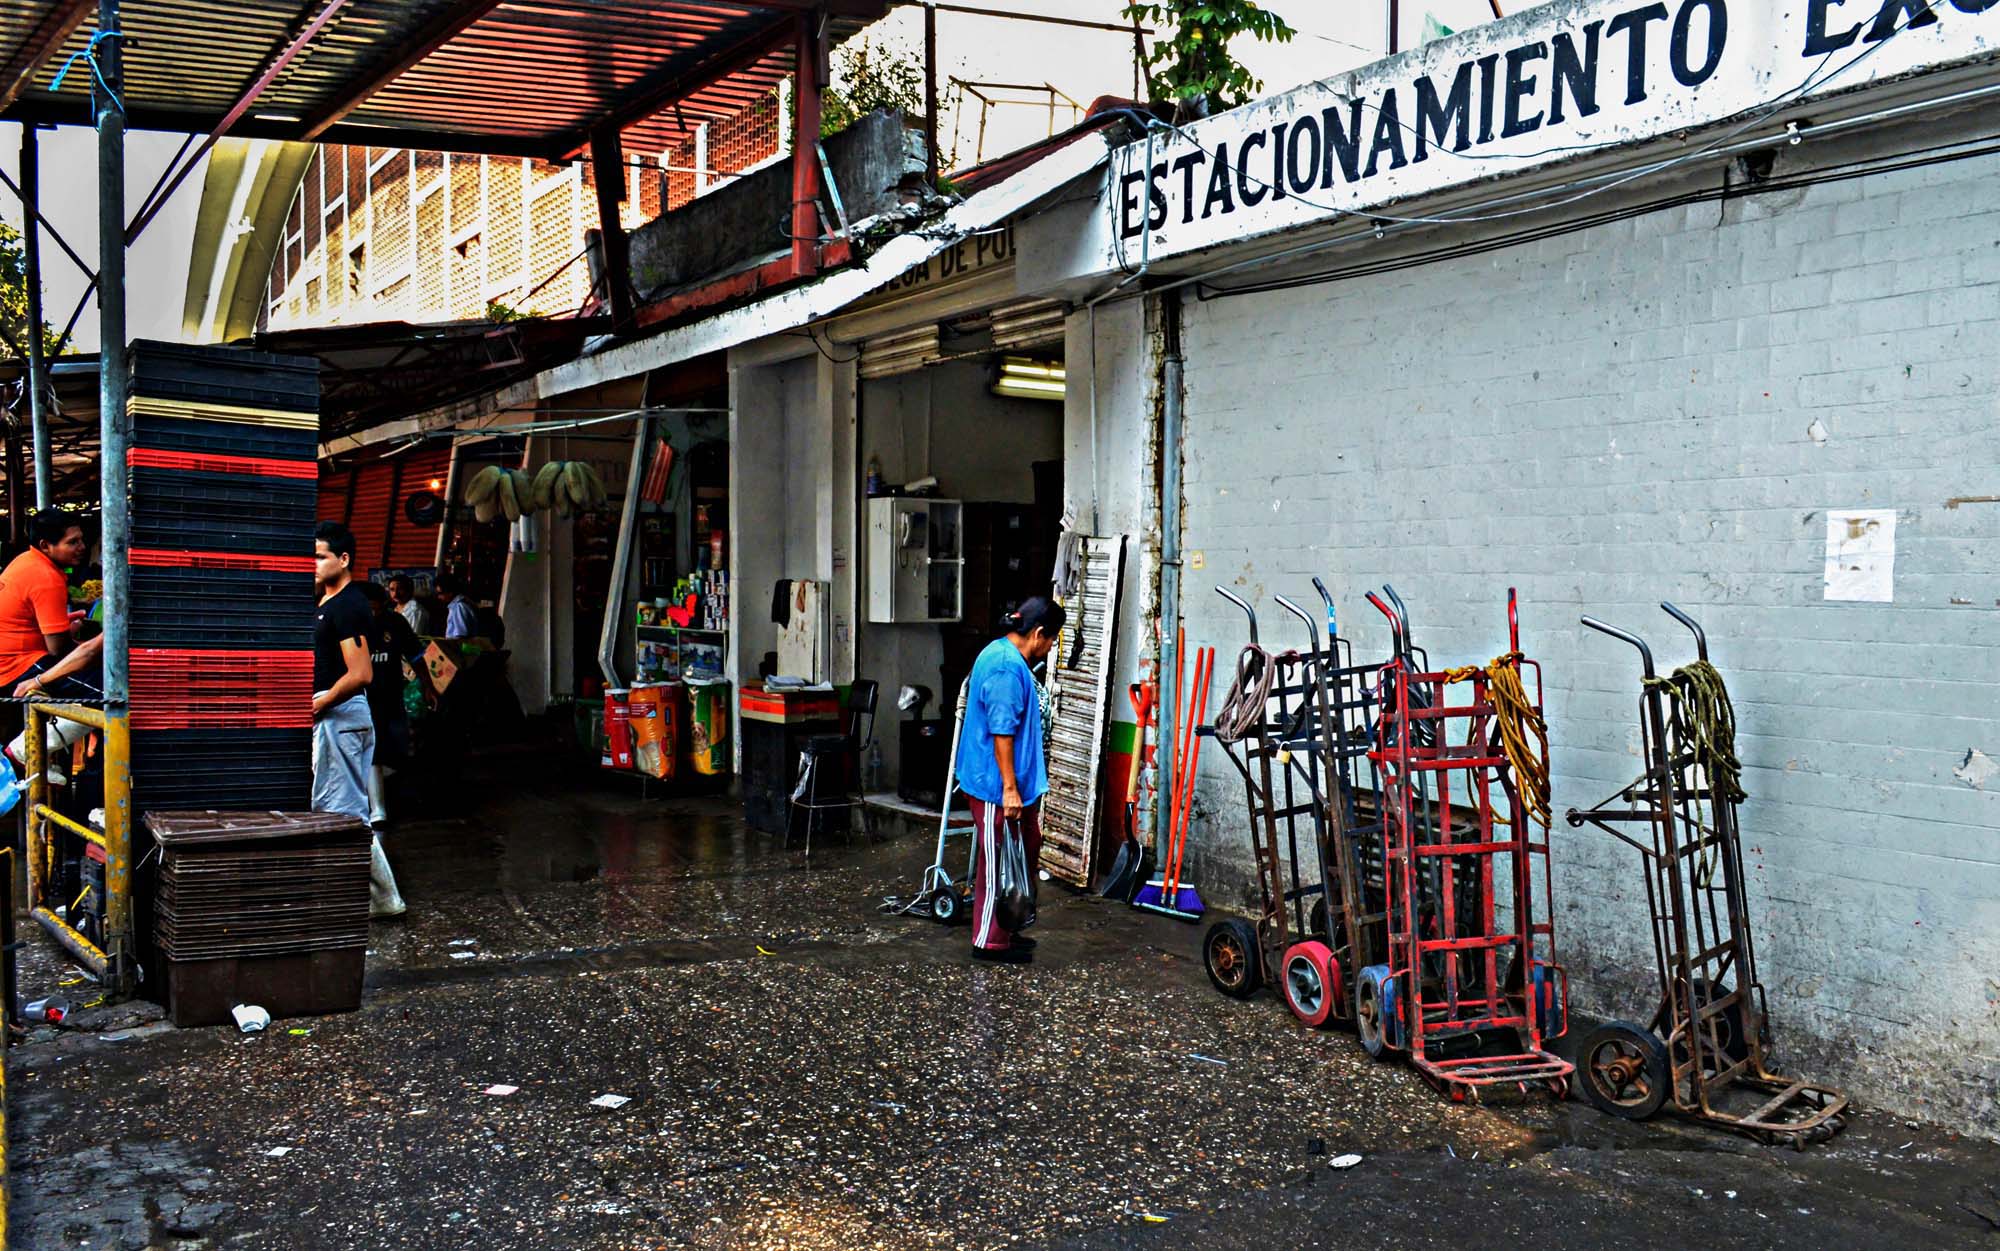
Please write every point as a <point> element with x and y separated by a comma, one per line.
<point>391,642</point>
<point>343,729</point>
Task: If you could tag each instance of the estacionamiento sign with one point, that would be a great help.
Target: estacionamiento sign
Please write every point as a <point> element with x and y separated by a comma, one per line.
<point>1520,93</point>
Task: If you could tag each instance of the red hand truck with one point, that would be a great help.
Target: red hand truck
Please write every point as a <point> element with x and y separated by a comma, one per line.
<point>1470,990</point>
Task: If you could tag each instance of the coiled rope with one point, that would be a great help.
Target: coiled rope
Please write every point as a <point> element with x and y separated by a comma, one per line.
<point>1524,731</point>
<point>1703,730</point>
<point>1242,709</point>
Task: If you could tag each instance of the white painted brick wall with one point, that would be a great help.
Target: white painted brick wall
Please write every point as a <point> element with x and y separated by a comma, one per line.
<point>1620,416</point>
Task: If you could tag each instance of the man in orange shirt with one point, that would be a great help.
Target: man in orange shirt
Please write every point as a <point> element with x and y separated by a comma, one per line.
<point>37,656</point>
<point>34,597</point>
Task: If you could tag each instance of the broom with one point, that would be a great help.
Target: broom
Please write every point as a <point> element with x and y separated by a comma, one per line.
<point>1166,894</point>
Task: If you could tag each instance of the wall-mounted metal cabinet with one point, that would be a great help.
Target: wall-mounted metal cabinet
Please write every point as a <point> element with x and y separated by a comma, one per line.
<point>916,560</point>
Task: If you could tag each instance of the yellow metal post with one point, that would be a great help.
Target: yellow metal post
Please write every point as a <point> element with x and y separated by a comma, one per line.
<point>38,795</point>
<point>119,940</point>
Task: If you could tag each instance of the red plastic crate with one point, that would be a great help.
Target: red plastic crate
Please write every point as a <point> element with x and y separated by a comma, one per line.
<point>216,462</point>
<point>175,689</point>
<point>157,559</point>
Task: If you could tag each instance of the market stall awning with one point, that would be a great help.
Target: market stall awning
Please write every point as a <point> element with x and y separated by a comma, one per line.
<point>503,77</point>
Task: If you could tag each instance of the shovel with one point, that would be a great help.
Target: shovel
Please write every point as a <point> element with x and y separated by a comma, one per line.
<point>1125,873</point>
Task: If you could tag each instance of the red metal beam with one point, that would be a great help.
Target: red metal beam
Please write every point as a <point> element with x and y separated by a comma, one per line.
<point>352,96</point>
<point>737,287</point>
<point>56,26</point>
<point>807,82</point>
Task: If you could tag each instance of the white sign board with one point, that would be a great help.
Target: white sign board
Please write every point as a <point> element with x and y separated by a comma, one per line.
<point>1531,90</point>
<point>1861,554</point>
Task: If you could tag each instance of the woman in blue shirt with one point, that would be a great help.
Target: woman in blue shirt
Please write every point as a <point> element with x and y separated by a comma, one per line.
<point>1000,765</point>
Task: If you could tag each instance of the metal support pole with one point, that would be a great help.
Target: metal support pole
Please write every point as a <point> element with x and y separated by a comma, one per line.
<point>607,169</point>
<point>114,382</point>
<point>1139,93</point>
<point>38,369</point>
<point>805,140</point>
<point>114,425</point>
<point>930,97</point>
<point>1171,413</point>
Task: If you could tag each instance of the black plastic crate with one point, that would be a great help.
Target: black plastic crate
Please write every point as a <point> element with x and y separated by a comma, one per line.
<point>261,769</point>
<point>183,527</point>
<point>184,587</point>
<point>163,628</point>
<point>233,492</point>
<point>229,375</point>
<point>250,748</point>
<point>226,438</point>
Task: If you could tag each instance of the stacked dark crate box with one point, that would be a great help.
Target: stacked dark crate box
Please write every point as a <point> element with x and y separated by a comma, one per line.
<point>268,908</point>
<point>258,900</point>
<point>224,476</point>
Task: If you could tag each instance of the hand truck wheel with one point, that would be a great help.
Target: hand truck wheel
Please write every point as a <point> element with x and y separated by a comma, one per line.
<point>944,904</point>
<point>1624,1070</point>
<point>1230,954</point>
<point>1375,1009</point>
<point>1310,980</point>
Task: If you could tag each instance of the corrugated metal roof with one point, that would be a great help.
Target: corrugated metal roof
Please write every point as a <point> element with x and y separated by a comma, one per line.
<point>504,76</point>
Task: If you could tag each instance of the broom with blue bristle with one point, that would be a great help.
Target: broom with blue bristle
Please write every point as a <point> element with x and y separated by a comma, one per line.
<point>1167,894</point>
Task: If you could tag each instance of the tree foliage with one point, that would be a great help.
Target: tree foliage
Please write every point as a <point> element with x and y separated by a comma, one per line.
<point>1190,64</point>
<point>14,296</point>
<point>868,78</point>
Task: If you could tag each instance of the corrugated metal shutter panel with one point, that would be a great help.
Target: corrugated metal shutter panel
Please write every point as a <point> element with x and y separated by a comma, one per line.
<point>335,488</point>
<point>369,518</point>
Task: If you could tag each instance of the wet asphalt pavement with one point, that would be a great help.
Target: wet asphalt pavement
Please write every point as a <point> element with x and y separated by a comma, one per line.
<point>804,1072</point>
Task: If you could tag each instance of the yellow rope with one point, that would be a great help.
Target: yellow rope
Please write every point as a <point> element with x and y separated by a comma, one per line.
<point>1518,719</point>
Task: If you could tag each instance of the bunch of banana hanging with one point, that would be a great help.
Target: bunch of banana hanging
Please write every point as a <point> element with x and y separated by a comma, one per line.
<point>566,486</point>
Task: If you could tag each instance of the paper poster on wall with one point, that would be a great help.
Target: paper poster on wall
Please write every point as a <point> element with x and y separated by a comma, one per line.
<point>1861,554</point>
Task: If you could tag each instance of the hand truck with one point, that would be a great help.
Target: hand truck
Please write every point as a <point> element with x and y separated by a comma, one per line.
<point>1444,995</point>
<point>940,896</point>
<point>1311,932</point>
<point>1711,1028</point>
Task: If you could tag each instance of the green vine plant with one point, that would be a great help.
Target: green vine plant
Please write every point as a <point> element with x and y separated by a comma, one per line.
<point>1190,64</point>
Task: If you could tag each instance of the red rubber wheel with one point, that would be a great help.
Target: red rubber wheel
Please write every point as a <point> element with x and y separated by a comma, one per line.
<point>1310,978</point>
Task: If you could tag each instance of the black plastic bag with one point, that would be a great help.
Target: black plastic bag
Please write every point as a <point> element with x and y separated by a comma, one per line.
<point>1014,902</point>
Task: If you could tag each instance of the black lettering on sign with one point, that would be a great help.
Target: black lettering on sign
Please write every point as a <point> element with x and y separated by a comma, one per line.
<point>1718,32</point>
<point>1519,87</point>
<point>1576,73</point>
<point>1435,118</point>
<point>1128,204</point>
<point>1891,19</point>
<point>1486,64</point>
<point>1388,134</point>
<point>1277,181</point>
<point>1343,143</point>
<point>1218,185</point>
<point>1251,195</point>
<point>1973,6</point>
<point>1157,196</point>
<point>1303,171</point>
<point>1818,41</point>
<point>1184,166</point>
<point>1633,25</point>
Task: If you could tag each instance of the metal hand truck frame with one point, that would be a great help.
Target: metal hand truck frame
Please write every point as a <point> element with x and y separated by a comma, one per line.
<point>1443,995</point>
<point>1306,729</point>
<point>1711,1028</point>
<point>940,896</point>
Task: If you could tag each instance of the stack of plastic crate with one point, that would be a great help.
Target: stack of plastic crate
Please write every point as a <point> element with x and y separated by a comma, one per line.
<point>224,482</point>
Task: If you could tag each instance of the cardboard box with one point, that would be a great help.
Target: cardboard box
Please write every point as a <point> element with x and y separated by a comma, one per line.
<point>442,666</point>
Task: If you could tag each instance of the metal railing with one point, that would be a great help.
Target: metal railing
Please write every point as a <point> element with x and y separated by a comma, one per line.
<point>113,963</point>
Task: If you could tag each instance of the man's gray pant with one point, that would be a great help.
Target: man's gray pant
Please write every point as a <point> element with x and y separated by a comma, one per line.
<point>343,757</point>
